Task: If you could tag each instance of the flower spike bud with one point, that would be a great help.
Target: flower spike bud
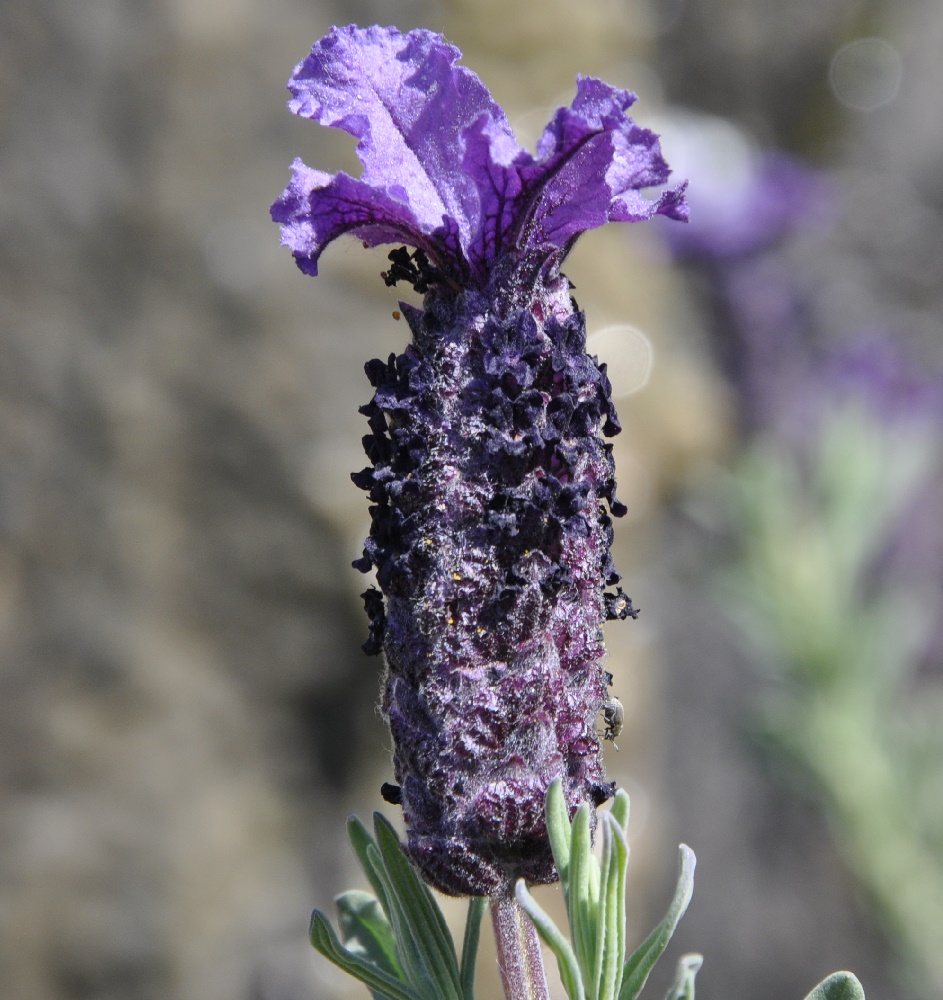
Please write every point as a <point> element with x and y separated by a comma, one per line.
<point>491,482</point>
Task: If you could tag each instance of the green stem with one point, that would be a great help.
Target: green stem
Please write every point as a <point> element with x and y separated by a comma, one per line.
<point>519,957</point>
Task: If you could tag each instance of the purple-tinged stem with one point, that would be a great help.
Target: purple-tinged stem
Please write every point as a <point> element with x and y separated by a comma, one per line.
<point>519,958</point>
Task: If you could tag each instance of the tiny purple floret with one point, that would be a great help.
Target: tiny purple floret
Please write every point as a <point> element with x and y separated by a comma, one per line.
<point>491,483</point>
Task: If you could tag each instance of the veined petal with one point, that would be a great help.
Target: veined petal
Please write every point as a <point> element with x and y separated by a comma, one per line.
<point>492,159</point>
<point>409,105</point>
<point>592,160</point>
<point>442,169</point>
<point>317,207</point>
<point>634,207</point>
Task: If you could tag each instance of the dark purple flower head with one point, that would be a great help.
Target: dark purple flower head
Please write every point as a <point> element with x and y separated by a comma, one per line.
<point>491,483</point>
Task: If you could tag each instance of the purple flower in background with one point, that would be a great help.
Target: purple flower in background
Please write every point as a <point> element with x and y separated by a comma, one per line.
<point>874,369</point>
<point>735,217</point>
<point>491,483</point>
<point>749,205</point>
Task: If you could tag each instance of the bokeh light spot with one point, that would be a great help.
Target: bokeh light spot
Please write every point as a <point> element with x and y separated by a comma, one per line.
<point>629,355</point>
<point>866,73</point>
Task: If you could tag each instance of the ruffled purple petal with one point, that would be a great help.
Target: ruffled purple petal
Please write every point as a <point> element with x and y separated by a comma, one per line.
<point>491,159</point>
<point>408,104</point>
<point>592,159</point>
<point>596,160</point>
<point>442,169</point>
<point>316,208</point>
<point>634,207</point>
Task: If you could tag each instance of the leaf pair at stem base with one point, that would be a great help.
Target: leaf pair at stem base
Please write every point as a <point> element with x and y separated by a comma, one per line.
<point>396,941</point>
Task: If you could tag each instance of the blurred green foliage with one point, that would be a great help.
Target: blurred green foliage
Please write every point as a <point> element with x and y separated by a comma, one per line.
<point>843,640</point>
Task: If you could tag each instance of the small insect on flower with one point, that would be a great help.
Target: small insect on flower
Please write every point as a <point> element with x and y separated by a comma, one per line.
<point>613,714</point>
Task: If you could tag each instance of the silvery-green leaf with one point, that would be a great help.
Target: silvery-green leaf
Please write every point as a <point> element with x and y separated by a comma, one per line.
<point>558,828</point>
<point>365,848</point>
<point>620,809</point>
<point>682,988</point>
<point>380,983</point>
<point>610,915</point>
<point>838,986</point>
<point>476,910</point>
<point>584,890</point>
<point>647,954</point>
<point>421,929</point>
<point>366,931</point>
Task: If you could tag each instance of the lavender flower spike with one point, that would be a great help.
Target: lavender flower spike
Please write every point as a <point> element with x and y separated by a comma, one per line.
<point>490,535</point>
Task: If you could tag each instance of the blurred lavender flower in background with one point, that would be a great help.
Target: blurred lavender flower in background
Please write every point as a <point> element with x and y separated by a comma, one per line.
<point>748,203</point>
<point>838,577</point>
<point>489,465</point>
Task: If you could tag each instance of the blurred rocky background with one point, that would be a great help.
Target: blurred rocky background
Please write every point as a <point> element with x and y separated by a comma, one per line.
<point>186,717</point>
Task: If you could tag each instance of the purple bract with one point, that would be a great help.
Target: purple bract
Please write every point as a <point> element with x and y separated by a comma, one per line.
<point>442,169</point>
<point>491,483</point>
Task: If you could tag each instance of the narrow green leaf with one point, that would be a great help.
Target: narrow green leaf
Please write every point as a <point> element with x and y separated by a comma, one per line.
<point>595,881</point>
<point>620,809</point>
<point>361,841</point>
<point>610,920</point>
<point>379,982</point>
<point>396,862</point>
<point>366,931</point>
<point>420,915</point>
<point>838,986</point>
<point>550,934</point>
<point>583,888</point>
<point>647,954</point>
<point>619,948</point>
<point>594,973</point>
<point>476,910</point>
<point>411,958</point>
<point>412,955</point>
<point>682,988</point>
<point>558,828</point>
